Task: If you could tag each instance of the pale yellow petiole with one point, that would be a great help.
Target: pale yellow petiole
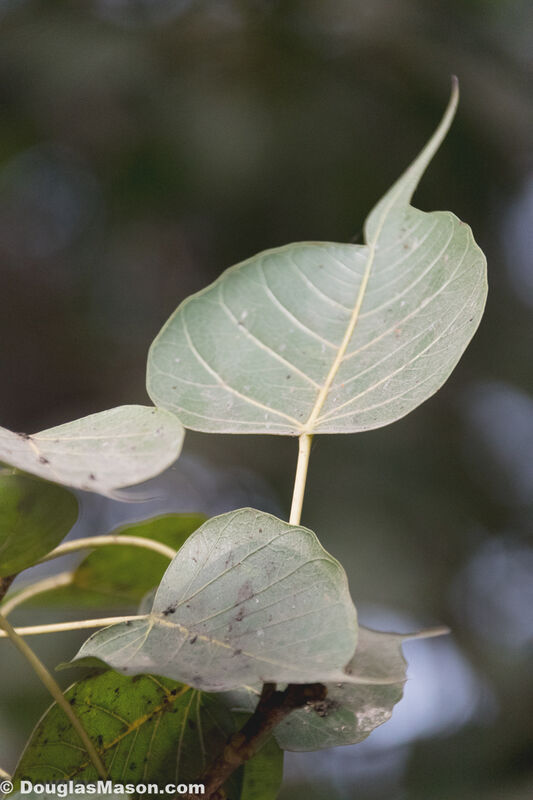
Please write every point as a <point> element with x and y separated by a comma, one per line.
<point>55,690</point>
<point>304,451</point>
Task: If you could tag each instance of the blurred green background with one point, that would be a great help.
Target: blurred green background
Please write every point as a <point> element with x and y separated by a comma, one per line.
<point>147,145</point>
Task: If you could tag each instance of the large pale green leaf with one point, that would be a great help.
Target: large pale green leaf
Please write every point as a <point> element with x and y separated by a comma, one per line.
<point>350,712</point>
<point>101,452</point>
<point>248,599</point>
<point>34,517</point>
<point>120,575</point>
<point>145,730</point>
<point>318,337</point>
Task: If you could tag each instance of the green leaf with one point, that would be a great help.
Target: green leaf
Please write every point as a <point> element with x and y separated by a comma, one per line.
<point>318,337</point>
<point>121,575</point>
<point>247,599</point>
<point>34,517</point>
<point>99,453</point>
<point>263,774</point>
<point>145,730</point>
<point>350,712</point>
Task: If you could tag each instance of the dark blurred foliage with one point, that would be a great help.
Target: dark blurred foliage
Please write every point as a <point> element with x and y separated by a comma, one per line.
<point>144,147</point>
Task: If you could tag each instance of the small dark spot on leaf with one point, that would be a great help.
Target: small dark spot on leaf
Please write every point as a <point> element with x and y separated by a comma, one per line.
<point>245,592</point>
<point>324,707</point>
<point>193,639</point>
<point>92,476</point>
<point>43,460</point>
<point>169,610</point>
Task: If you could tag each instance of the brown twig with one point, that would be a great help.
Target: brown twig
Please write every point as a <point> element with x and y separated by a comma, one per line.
<point>272,708</point>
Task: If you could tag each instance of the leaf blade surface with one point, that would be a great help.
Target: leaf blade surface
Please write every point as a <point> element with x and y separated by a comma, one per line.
<point>34,517</point>
<point>148,730</point>
<point>351,711</point>
<point>99,453</point>
<point>318,337</point>
<point>263,602</point>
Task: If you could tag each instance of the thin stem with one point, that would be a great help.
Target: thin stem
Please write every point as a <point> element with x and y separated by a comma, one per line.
<point>39,587</point>
<point>54,689</point>
<point>112,539</point>
<point>59,627</point>
<point>304,451</point>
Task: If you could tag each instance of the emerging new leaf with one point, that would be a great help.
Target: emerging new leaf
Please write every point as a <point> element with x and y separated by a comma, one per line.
<point>101,452</point>
<point>317,337</point>
<point>34,517</point>
<point>248,599</point>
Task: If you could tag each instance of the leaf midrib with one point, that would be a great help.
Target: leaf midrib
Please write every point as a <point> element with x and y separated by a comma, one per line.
<point>309,427</point>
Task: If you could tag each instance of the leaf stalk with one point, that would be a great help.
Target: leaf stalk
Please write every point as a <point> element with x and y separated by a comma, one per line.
<point>34,589</point>
<point>111,539</point>
<point>75,625</point>
<point>46,678</point>
<point>304,452</point>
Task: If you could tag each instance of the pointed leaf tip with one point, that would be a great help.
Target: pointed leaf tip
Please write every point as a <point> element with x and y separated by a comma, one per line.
<point>318,337</point>
<point>402,190</point>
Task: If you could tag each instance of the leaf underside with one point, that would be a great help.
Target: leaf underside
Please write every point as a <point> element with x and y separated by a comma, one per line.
<point>350,712</point>
<point>99,453</point>
<point>318,337</point>
<point>145,729</point>
<point>247,599</point>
